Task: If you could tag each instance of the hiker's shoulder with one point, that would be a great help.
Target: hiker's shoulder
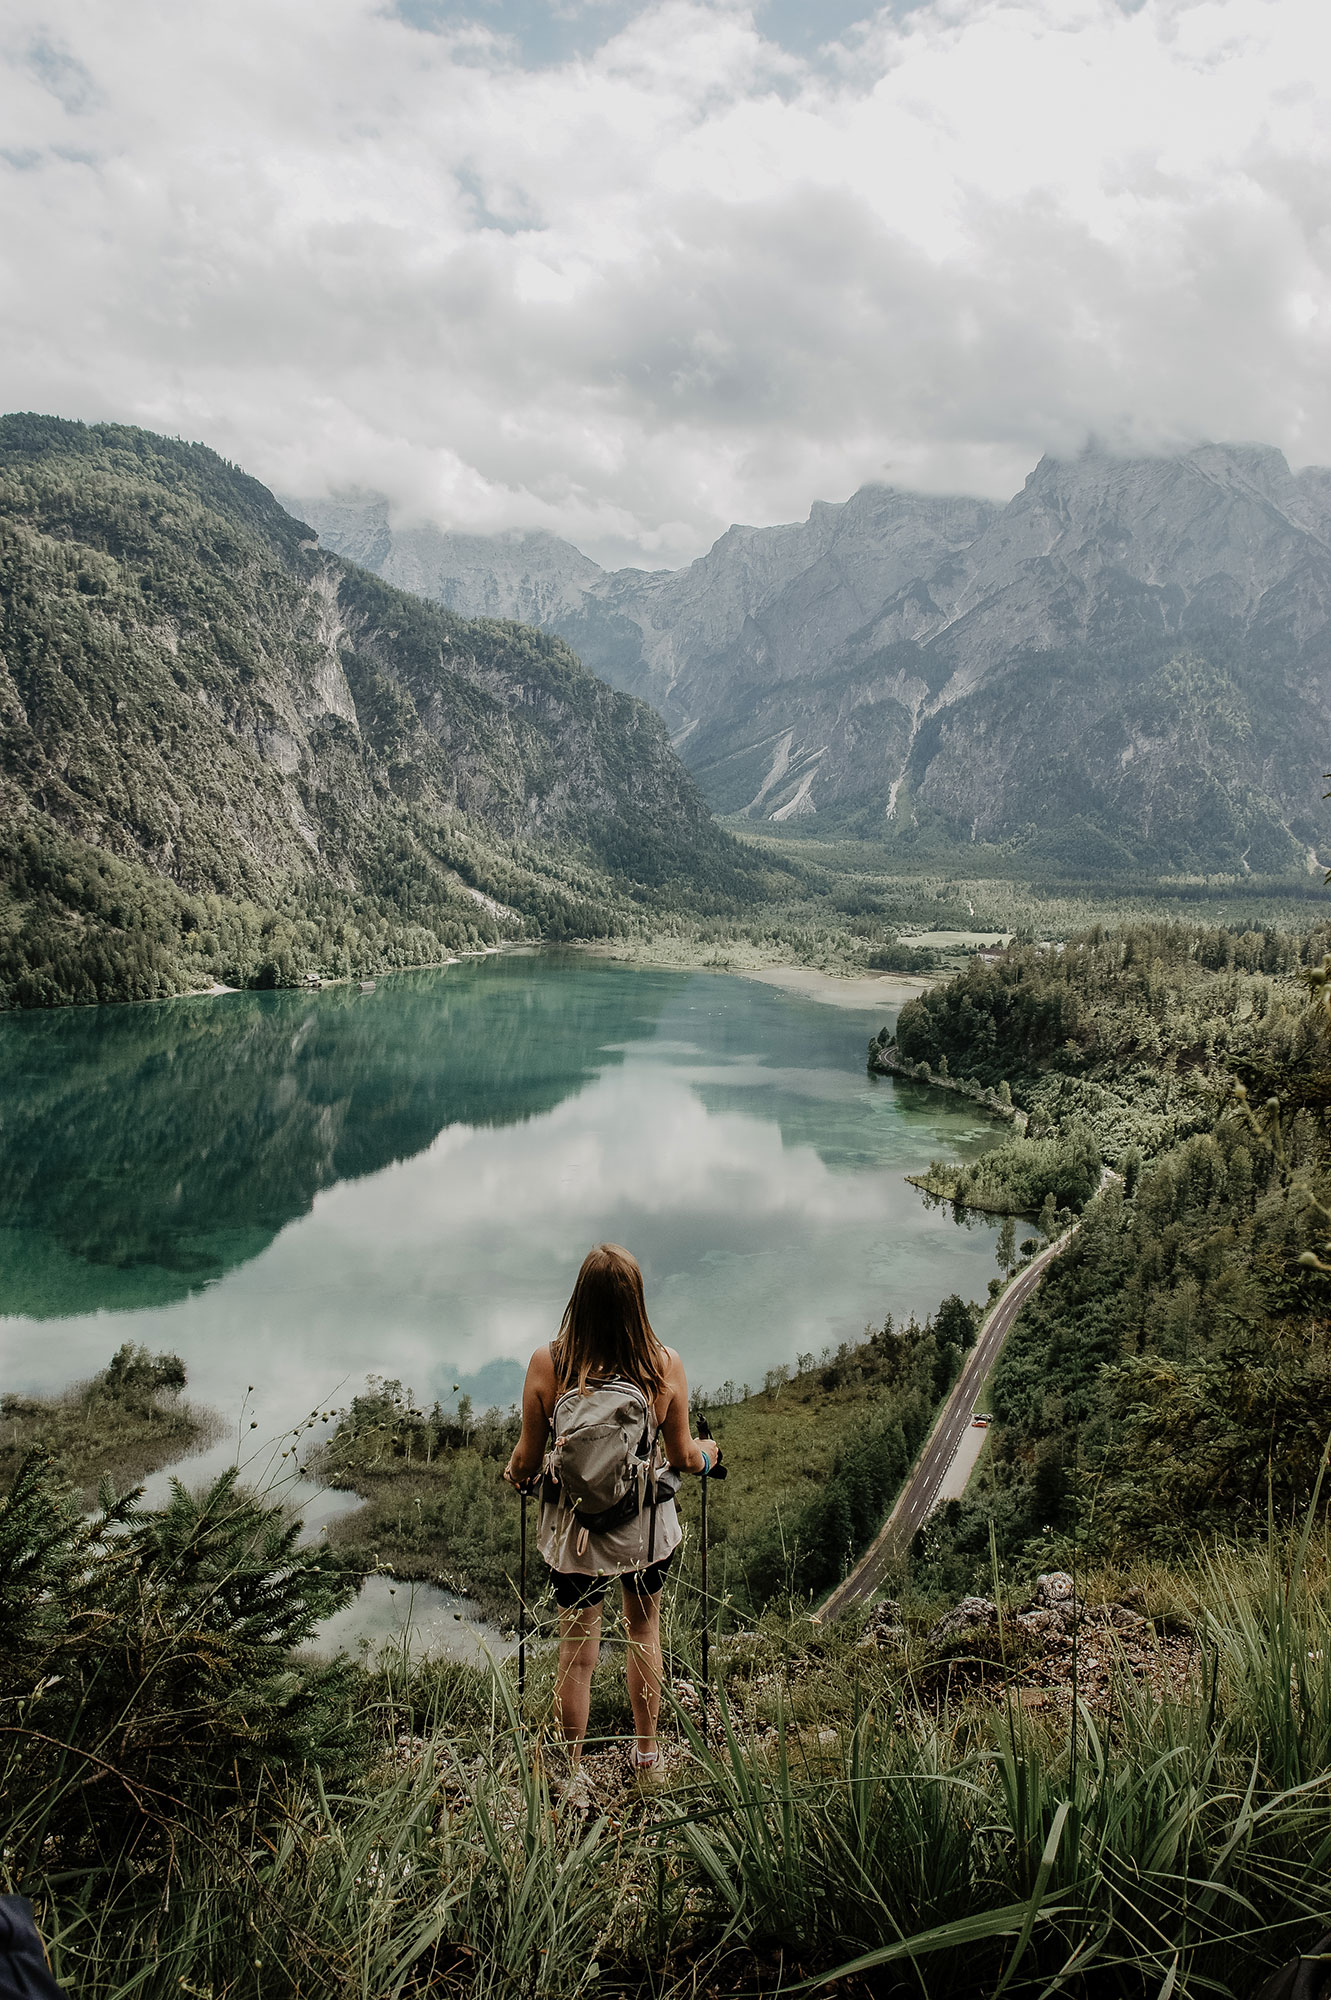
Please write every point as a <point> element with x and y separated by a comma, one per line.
<point>541,1367</point>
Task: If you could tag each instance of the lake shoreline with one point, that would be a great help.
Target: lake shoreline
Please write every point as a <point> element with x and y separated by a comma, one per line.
<point>856,991</point>
<point>852,989</point>
<point>948,1193</point>
<point>862,991</point>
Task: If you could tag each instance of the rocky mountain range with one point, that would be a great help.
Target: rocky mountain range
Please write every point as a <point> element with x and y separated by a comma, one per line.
<point>225,751</point>
<point>1127,665</point>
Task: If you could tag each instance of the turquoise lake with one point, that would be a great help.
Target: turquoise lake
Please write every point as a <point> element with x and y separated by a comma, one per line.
<point>296,1190</point>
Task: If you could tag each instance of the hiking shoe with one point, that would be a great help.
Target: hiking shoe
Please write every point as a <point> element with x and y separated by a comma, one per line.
<point>649,1776</point>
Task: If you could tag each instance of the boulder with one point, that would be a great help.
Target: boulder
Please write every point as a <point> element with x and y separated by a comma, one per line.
<point>1044,1624</point>
<point>883,1627</point>
<point>973,1614</point>
<point>1054,1590</point>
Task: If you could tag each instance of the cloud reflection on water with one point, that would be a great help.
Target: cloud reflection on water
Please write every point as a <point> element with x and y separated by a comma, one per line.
<point>765,1201</point>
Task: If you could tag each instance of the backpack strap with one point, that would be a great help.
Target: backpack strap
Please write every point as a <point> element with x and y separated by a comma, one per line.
<point>651,1481</point>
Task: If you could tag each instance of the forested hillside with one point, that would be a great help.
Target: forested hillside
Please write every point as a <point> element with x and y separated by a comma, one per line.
<point>1173,1372</point>
<point>227,755</point>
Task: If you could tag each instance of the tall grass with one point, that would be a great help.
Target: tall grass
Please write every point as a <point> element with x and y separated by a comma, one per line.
<point>1176,1846</point>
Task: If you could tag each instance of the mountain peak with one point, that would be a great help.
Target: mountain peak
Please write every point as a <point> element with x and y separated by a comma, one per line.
<point>1235,466</point>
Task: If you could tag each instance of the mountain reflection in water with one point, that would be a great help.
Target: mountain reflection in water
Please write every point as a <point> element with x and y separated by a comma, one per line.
<point>297,1190</point>
<point>148,1150</point>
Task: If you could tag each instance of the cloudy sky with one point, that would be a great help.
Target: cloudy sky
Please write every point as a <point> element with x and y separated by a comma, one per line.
<point>634,269</point>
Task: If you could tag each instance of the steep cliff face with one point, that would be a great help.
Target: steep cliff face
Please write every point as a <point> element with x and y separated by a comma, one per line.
<point>1140,647</point>
<point>763,605</point>
<point>190,685</point>
<point>1128,664</point>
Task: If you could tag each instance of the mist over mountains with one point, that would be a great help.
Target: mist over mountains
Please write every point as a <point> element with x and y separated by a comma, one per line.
<point>1128,665</point>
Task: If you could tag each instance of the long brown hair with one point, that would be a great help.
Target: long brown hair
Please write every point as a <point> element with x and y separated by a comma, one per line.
<point>605,1329</point>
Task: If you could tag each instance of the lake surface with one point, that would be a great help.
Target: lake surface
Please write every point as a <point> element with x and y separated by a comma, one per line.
<point>296,1190</point>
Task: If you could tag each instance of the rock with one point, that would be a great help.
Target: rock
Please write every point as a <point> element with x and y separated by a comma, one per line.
<point>883,1626</point>
<point>1054,1589</point>
<point>973,1614</point>
<point>763,606</point>
<point>1043,1624</point>
<point>533,577</point>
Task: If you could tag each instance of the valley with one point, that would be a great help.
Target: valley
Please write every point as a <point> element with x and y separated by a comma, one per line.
<point>233,755</point>
<point>1077,732</point>
<point>665,1001</point>
<point>1142,1624</point>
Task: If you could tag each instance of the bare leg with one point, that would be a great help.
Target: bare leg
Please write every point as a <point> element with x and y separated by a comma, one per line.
<point>642,1665</point>
<point>579,1649</point>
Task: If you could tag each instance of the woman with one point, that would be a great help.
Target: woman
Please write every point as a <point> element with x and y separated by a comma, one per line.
<point>605,1337</point>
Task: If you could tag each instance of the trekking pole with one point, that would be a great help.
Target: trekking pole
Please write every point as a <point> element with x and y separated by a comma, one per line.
<point>706,1601</point>
<point>717,1471</point>
<point>522,1601</point>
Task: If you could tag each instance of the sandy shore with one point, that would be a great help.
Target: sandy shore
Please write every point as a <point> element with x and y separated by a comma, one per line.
<point>864,991</point>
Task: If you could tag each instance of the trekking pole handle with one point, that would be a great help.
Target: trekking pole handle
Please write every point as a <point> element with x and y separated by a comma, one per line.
<point>713,1468</point>
<point>522,1486</point>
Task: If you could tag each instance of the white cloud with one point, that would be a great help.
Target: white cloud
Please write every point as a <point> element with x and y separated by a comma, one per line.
<point>683,279</point>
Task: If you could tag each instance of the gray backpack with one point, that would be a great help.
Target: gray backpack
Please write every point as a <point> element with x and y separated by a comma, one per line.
<point>602,1458</point>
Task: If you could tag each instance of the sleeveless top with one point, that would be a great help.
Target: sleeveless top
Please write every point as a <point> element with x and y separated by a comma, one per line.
<point>630,1547</point>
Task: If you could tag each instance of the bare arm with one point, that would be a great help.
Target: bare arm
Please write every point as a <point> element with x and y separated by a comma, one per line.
<point>681,1447</point>
<point>538,1400</point>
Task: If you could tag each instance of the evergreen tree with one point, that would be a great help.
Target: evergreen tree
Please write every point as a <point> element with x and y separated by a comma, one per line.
<point>164,1645</point>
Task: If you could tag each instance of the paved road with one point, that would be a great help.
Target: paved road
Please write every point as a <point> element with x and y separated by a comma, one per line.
<point>917,1497</point>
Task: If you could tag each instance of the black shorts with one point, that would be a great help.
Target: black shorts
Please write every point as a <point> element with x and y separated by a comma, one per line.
<point>574,1592</point>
